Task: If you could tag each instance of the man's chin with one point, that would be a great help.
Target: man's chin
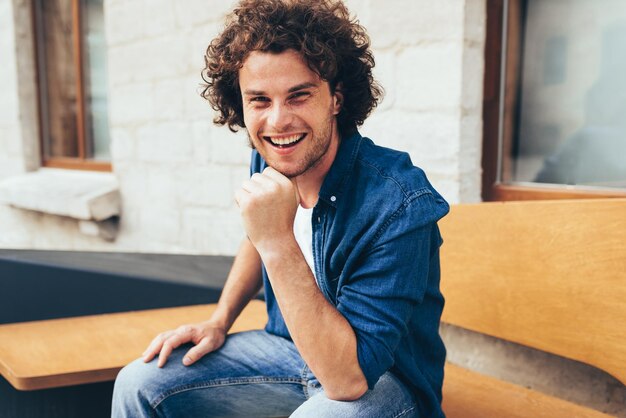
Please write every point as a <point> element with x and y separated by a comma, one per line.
<point>288,172</point>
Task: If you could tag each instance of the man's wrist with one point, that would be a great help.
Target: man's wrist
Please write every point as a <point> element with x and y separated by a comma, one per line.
<point>276,247</point>
<point>221,319</point>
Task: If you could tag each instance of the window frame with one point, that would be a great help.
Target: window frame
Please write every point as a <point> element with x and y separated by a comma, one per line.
<point>500,102</point>
<point>73,163</point>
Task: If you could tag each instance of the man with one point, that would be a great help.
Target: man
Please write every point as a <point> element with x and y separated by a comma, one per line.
<point>342,234</point>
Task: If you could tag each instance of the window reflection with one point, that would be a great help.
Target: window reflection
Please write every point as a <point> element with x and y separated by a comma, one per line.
<point>572,108</point>
<point>95,78</point>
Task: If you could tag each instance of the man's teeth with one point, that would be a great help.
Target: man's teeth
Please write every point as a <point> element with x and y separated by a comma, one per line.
<point>286,140</point>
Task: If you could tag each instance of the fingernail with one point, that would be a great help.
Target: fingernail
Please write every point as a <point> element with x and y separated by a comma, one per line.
<point>186,361</point>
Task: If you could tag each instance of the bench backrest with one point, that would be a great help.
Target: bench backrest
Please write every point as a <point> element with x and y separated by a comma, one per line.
<point>547,274</point>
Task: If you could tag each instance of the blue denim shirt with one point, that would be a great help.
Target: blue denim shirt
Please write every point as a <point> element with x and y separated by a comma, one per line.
<point>376,254</point>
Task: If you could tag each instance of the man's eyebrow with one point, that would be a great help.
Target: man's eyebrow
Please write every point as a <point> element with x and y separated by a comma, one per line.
<point>302,86</point>
<point>253,92</point>
<point>297,87</point>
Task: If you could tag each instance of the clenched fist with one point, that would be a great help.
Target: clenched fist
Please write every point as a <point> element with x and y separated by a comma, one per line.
<point>267,202</point>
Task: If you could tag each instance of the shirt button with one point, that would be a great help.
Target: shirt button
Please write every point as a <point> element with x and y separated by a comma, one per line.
<point>333,198</point>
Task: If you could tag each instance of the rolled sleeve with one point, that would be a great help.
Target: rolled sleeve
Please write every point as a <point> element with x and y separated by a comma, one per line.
<point>378,298</point>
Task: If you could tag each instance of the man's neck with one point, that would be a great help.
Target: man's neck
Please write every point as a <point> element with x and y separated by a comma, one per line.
<point>310,182</point>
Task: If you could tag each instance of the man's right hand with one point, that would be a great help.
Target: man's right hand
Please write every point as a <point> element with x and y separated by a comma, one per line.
<point>205,336</point>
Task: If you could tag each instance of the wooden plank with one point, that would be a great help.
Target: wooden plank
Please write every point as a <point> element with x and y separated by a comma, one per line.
<point>78,164</point>
<point>550,192</point>
<point>72,351</point>
<point>547,274</point>
<point>467,394</point>
<point>491,94</point>
<point>80,79</point>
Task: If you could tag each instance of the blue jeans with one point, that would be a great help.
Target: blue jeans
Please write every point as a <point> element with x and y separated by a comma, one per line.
<point>254,374</point>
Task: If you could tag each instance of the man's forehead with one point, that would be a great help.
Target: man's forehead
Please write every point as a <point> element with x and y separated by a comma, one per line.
<point>286,70</point>
<point>269,56</point>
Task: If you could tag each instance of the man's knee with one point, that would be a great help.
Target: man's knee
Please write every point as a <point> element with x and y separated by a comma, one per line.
<point>135,387</point>
<point>389,399</point>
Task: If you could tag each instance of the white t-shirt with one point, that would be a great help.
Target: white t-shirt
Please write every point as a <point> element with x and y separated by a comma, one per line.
<point>304,234</point>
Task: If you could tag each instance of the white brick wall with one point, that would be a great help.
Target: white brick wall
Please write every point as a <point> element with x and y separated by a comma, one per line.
<point>430,57</point>
<point>10,135</point>
<point>19,150</point>
<point>178,172</point>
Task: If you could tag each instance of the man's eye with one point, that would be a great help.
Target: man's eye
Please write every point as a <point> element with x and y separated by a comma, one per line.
<point>259,102</point>
<point>301,95</point>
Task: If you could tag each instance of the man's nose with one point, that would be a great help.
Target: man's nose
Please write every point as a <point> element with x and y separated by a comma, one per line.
<point>279,117</point>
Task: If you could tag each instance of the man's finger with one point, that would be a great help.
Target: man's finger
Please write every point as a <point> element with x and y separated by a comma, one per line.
<point>198,351</point>
<point>280,179</point>
<point>260,182</point>
<point>257,178</point>
<point>250,185</point>
<point>283,181</point>
<point>275,175</point>
<point>240,196</point>
<point>155,346</point>
<point>169,345</point>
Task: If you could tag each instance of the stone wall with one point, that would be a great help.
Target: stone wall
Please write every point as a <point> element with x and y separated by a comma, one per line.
<point>19,151</point>
<point>430,61</point>
<point>10,161</point>
<point>177,172</point>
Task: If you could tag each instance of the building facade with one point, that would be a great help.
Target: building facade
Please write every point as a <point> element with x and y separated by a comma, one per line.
<point>177,172</point>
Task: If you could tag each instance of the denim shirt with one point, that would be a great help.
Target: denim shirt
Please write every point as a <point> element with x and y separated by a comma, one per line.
<point>376,254</point>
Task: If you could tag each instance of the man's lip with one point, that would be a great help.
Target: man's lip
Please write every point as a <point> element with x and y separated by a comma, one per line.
<point>267,139</point>
<point>283,135</point>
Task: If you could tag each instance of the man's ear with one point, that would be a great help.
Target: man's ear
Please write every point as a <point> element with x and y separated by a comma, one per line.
<point>338,99</point>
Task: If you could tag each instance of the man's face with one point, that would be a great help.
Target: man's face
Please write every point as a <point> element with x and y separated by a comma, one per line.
<point>289,111</point>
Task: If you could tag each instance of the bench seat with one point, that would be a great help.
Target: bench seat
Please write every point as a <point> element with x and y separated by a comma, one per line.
<point>467,394</point>
<point>89,349</point>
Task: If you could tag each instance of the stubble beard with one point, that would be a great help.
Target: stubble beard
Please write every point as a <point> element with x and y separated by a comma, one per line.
<point>319,147</point>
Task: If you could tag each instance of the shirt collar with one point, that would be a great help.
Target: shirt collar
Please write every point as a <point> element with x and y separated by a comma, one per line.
<point>341,169</point>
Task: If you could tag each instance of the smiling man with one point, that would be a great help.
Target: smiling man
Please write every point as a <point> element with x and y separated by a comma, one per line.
<point>342,233</point>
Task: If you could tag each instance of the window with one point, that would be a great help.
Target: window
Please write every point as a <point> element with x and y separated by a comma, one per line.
<point>72,78</point>
<point>555,99</point>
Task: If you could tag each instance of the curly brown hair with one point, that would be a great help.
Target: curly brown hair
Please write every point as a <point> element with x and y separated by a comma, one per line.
<point>335,46</point>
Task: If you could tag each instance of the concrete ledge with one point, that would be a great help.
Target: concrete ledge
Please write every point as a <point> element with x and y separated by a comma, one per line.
<point>80,195</point>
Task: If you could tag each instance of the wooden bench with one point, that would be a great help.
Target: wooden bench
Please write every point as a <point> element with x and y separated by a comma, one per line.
<point>88,349</point>
<point>548,275</point>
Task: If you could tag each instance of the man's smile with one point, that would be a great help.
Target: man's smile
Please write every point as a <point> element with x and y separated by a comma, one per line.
<point>284,141</point>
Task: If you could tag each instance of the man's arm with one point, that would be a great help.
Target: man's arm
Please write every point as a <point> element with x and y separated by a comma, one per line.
<point>324,338</point>
<point>242,284</point>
